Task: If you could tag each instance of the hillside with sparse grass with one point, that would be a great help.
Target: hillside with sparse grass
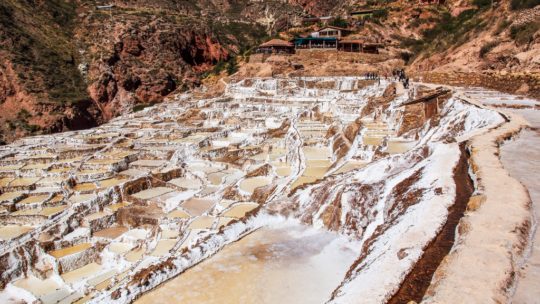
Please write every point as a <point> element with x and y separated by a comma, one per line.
<point>68,65</point>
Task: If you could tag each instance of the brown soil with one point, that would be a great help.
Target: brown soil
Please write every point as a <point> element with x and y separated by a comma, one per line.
<point>260,171</point>
<point>418,280</point>
<point>512,83</point>
<point>281,131</point>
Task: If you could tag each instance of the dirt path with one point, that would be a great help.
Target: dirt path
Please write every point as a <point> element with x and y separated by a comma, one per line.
<point>521,157</point>
<point>493,235</point>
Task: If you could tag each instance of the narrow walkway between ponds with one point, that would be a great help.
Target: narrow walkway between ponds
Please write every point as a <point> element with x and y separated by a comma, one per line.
<point>521,157</point>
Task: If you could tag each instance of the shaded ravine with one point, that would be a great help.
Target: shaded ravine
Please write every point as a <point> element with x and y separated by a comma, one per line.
<point>419,278</point>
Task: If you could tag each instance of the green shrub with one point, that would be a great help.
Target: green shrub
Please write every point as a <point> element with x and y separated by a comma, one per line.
<point>380,14</point>
<point>486,48</point>
<point>523,4</point>
<point>30,128</point>
<point>232,66</point>
<point>339,22</point>
<point>451,30</point>
<point>523,34</point>
<point>43,49</point>
<point>23,114</point>
<point>482,3</point>
<point>501,26</point>
<point>406,56</point>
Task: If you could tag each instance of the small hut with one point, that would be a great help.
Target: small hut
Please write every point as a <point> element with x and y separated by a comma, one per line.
<point>372,48</point>
<point>358,46</point>
<point>354,46</point>
<point>362,14</point>
<point>276,46</point>
<point>331,32</point>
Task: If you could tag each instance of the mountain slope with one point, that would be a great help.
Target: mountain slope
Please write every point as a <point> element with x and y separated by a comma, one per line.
<point>65,64</point>
<point>70,65</point>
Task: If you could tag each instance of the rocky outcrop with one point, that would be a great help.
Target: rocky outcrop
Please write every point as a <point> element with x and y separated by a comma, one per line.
<point>68,65</point>
<point>147,62</point>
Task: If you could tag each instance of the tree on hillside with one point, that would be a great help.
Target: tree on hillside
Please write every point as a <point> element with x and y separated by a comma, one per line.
<point>340,22</point>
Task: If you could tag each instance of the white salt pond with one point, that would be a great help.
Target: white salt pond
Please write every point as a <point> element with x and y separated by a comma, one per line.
<point>9,232</point>
<point>317,153</point>
<point>396,146</point>
<point>47,291</point>
<point>350,165</point>
<point>187,183</point>
<point>163,247</point>
<point>287,263</point>
<point>202,222</point>
<point>152,192</point>
<point>302,180</point>
<point>250,184</point>
<point>197,206</point>
<point>283,171</point>
<point>70,250</point>
<point>82,273</point>
<point>240,210</point>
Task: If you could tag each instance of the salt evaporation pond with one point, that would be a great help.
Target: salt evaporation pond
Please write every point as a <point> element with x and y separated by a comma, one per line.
<point>286,263</point>
<point>250,184</point>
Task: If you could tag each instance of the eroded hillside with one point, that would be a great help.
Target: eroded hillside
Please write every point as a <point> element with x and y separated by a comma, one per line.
<point>70,65</point>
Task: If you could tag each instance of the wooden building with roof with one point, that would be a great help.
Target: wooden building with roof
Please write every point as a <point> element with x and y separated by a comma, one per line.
<point>362,14</point>
<point>331,32</point>
<point>316,20</point>
<point>276,46</point>
<point>316,43</point>
<point>358,46</point>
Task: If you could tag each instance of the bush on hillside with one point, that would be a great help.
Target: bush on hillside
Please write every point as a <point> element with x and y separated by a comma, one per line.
<point>340,22</point>
<point>380,14</point>
<point>232,66</point>
<point>482,3</point>
<point>486,48</point>
<point>523,4</point>
<point>524,34</point>
<point>501,26</point>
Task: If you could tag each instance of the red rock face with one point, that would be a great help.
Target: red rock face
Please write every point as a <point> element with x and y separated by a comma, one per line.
<point>316,7</point>
<point>148,62</point>
<point>72,65</point>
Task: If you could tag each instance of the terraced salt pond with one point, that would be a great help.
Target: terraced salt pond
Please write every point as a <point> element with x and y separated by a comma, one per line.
<point>285,263</point>
<point>164,184</point>
<point>240,210</point>
<point>12,231</point>
<point>250,184</point>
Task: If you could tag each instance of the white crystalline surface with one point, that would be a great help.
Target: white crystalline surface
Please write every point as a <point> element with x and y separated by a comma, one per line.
<point>520,157</point>
<point>155,185</point>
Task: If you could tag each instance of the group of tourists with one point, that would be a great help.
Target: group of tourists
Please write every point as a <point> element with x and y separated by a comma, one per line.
<point>372,76</point>
<point>401,76</point>
<point>398,75</point>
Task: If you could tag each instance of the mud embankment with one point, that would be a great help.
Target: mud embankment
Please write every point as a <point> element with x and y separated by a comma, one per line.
<point>493,233</point>
<point>418,280</point>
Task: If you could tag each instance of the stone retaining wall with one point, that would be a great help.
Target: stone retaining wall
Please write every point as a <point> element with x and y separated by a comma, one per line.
<point>515,83</point>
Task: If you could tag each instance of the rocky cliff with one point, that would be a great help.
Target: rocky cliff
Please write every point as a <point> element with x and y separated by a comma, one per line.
<point>72,64</point>
<point>67,64</point>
